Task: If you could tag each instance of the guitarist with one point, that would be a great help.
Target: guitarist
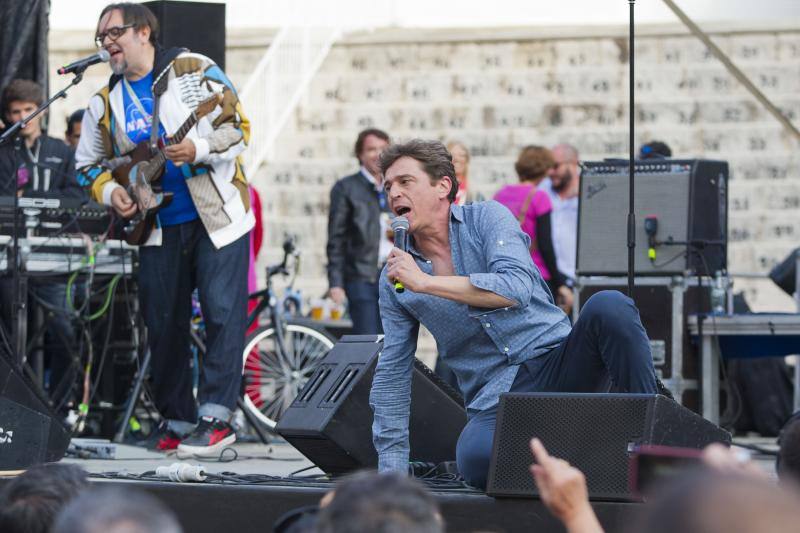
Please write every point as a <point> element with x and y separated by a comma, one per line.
<point>199,240</point>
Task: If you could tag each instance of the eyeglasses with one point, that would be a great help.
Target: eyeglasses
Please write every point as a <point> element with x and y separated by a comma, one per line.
<point>113,33</point>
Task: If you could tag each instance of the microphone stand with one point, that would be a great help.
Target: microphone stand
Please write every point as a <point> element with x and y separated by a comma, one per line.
<point>631,216</point>
<point>20,286</point>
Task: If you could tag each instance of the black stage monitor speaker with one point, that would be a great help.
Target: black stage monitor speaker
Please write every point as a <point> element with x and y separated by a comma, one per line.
<point>330,421</point>
<point>594,432</point>
<point>30,433</point>
<point>198,26</point>
<point>688,199</point>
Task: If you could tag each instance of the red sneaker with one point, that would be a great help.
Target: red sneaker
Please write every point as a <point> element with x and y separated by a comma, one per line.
<point>210,437</point>
<point>162,439</point>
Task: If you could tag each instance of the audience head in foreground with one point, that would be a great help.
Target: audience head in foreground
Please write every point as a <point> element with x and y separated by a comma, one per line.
<point>380,503</point>
<point>30,502</point>
<point>112,510</point>
<point>709,501</point>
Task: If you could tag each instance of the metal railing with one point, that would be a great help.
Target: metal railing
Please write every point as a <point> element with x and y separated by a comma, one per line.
<point>278,82</point>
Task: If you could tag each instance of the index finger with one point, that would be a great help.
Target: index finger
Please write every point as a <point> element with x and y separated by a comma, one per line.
<point>539,451</point>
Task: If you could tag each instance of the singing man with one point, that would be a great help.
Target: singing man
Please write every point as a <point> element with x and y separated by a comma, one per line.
<point>470,280</point>
<point>200,240</point>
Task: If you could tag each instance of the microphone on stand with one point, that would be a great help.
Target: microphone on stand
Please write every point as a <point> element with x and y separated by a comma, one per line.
<point>651,228</point>
<point>82,64</point>
<point>400,228</point>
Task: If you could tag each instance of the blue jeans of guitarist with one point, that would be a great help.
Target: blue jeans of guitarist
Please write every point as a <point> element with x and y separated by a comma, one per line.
<point>167,276</point>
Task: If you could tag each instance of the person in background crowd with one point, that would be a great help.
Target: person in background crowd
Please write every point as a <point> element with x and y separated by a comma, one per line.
<point>563,186</point>
<point>532,208</point>
<point>256,239</point>
<point>655,150</point>
<point>460,155</point>
<point>358,244</point>
<point>73,134</point>
<point>30,502</point>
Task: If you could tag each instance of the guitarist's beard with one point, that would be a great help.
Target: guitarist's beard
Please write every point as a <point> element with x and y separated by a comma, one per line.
<point>119,67</point>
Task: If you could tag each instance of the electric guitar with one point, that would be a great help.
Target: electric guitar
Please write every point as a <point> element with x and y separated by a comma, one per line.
<point>146,167</point>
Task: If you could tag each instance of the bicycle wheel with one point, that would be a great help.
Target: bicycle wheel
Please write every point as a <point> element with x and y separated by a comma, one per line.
<point>271,383</point>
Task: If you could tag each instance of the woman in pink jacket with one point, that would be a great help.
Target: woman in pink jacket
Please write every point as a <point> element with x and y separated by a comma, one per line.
<point>532,208</point>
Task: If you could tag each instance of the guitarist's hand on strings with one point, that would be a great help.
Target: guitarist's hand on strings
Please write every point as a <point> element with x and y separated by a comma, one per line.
<point>122,203</point>
<point>183,152</point>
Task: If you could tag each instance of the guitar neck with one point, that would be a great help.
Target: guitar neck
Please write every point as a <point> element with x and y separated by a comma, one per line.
<point>183,130</point>
<point>160,158</point>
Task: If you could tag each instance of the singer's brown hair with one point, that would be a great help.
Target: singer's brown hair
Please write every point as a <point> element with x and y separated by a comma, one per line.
<point>434,157</point>
<point>135,14</point>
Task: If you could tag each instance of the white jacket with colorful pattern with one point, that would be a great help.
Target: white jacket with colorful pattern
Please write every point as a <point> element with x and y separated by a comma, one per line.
<point>216,179</point>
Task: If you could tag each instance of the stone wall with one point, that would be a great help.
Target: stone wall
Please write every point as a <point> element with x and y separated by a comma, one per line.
<point>497,90</point>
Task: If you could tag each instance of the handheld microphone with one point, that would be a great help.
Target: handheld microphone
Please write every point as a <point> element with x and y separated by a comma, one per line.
<point>400,228</point>
<point>651,228</point>
<point>82,64</point>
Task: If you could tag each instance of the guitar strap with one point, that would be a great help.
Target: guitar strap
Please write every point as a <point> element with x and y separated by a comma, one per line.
<point>159,87</point>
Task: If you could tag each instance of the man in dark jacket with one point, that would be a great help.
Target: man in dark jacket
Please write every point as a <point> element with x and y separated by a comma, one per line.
<point>358,242</point>
<point>43,167</point>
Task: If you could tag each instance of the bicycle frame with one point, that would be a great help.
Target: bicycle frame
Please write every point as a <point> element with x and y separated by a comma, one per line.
<point>268,300</point>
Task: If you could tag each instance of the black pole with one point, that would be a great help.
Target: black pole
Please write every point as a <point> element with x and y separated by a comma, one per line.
<point>20,292</point>
<point>631,216</point>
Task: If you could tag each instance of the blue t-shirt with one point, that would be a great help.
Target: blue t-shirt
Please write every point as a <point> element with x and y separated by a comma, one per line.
<point>137,127</point>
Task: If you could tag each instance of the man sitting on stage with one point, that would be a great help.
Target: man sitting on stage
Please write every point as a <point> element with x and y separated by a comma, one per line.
<point>200,239</point>
<point>470,280</point>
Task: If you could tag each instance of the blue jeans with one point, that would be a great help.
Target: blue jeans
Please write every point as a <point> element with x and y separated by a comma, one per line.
<point>607,346</point>
<point>167,276</point>
<point>362,303</point>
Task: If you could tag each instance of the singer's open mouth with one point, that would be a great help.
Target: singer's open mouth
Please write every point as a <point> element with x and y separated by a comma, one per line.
<point>402,210</point>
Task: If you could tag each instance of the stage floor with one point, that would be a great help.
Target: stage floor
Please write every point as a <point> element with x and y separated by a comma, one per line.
<point>254,506</point>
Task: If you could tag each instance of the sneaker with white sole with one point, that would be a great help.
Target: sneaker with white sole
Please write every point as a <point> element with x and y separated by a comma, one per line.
<point>210,437</point>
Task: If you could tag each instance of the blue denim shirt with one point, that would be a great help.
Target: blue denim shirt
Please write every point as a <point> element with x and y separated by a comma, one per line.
<point>483,347</point>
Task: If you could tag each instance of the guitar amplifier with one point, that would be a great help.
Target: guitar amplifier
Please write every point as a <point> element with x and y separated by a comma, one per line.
<point>689,200</point>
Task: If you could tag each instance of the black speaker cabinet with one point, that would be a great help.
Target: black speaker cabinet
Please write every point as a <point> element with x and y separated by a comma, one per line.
<point>330,421</point>
<point>689,199</point>
<point>30,433</point>
<point>198,26</point>
<point>594,432</point>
